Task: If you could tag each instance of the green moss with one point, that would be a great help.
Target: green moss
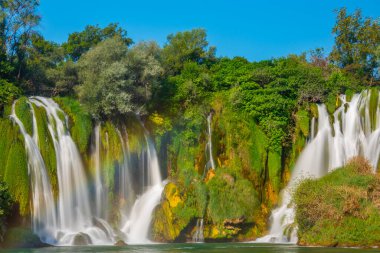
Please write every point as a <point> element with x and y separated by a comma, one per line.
<point>13,164</point>
<point>349,94</point>
<point>46,146</point>
<point>7,134</point>
<point>22,238</point>
<point>275,167</point>
<point>136,138</point>
<point>331,103</point>
<point>303,121</point>
<point>80,122</point>
<point>178,208</point>
<point>23,112</point>
<point>314,110</point>
<point>16,175</point>
<point>373,106</point>
<point>258,149</point>
<point>340,209</point>
<point>231,199</point>
<point>111,154</point>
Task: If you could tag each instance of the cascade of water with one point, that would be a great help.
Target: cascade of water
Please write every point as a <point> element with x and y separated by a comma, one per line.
<point>100,196</point>
<point>312,129</point>
<point>137,225</point>
<point>351,134</point>
<point>126,193</point>
<point>198,235</point>
<point>209,142</point>
<point>69,219</point>
<point>44,219</point>
<point>74,217</point>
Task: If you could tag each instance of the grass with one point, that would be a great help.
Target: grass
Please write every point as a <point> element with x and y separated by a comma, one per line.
<point>340,209</point>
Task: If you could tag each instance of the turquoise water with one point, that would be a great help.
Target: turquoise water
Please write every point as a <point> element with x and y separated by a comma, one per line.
<point>201,247</point>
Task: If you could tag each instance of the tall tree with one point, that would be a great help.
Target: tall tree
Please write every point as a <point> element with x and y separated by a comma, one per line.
<point>115,80</point>
<point>18,20</point>
<point>356,40</point>
<point>188,46</point>
<point>80,42</point>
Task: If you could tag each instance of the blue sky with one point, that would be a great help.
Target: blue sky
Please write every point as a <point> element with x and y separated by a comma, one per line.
<point>254,29</point>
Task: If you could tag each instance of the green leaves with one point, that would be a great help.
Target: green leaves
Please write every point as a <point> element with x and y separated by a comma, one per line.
<point>188,46</point>
<point>116,81</point>
<point>8,92</point>
<point>79,43</point>
<point>6,203</point>
<point>356,42</point>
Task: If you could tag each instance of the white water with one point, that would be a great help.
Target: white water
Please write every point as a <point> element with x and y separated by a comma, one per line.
<point>210,162</point>
<point>333,145</point>
<point>70,219</point>
<point>137,224</point>
<point>100,193</point>
<point>73,209</point>
<point>126,192</point>
<point>44,218</point>
<point>198,235</point>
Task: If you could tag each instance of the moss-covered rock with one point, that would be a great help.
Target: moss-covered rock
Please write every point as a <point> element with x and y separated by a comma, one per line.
<point>373,107</point>
<point>80,122</point>
<point>22,238</point>
<point>46,146</point>
<point>16,174</point>
<point>174,218</point>
<point>340,209</point>
<point>24,113</point>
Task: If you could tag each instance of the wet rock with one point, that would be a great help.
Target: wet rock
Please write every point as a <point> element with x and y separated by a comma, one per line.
<point>120,243</point>
<point>97,223</point>
<point>82,239</point>
<point>233,223</point>
<point>22,238</point>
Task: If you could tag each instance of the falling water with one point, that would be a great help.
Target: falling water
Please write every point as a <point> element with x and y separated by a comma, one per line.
<point>137,225</point>
<point>44,218</point>
<point>74,217</point>
<point>210,163</point>
<point>352,133</point>
<point>126,192</point>
<point>198,235</point>
<point>100,196</point>
<point>70,219</point>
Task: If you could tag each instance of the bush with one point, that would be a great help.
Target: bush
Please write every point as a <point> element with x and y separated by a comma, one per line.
<point>341,208</point>
<point>231,198</point>
<point>5,208</point>
<point>8,92</point>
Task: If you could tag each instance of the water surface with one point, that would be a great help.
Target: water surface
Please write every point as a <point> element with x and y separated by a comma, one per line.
<point>198,247</point>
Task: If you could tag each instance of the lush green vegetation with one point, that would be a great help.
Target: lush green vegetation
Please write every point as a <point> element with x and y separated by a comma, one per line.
<point>5,208</point>
<point>260,111</point>
<point>340,209</point>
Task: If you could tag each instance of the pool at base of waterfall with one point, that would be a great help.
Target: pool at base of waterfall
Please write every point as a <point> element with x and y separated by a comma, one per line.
<point>199,247</point>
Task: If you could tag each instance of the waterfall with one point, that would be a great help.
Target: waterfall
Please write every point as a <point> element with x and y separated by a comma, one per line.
<point>100,196</point>
<point>74,217</point>
<point>44,219</point>
<point>198,235</point>
<point>78,216</point>
<point>210,163</point>
<point>126,192</point>
<point>352,133</point>
<point>137,225</point>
